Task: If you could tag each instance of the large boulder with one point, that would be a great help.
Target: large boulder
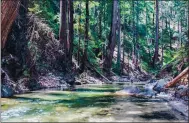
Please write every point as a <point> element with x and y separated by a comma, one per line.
<point>159,87</point>
<point>148,90</point>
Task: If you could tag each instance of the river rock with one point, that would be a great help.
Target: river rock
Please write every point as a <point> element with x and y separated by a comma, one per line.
<point>6,91</point>
<point>152,81</point>
<point>130,90</point>
<point>159,87</point>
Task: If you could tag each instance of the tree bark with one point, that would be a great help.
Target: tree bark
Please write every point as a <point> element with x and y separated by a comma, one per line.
<point>112,39</point>
<point>176,79</point>
<point>137,37</point>
<point>83,64</point>
<point>66,32</point>
<point>71,31</point>
<point>9,11</point>
<point>79,27</point>
<point>63,23</point>
<point>100,21</point>
<point>134,29</point>
<point>157,36</point>
<point>123,60</point>
<point>119,42</point>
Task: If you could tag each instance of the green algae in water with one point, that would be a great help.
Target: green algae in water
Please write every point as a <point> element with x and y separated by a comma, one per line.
<point>93,104</point>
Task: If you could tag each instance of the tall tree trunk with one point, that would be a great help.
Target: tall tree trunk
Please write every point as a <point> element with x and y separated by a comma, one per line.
<point>9,11</point>
<point>112,39</point>
<point>79,28</point>
<point>162,40</point>
<point>119,41</point>
<point>71,31</point>
<point>63,25</point>
<point>181,32</point>
<point>86,38</point>
<point>66,32</point>
<point>179,39</point>
<point>100,25</point>
<point>157,36</point>
<point>134,29</point>
<point>170,38</point>
<point>104,45</point>
<point>123,60</point>
<point>137,37</point>
<point>147,39</point>
<point>170,35</point>
<point>100,21</point>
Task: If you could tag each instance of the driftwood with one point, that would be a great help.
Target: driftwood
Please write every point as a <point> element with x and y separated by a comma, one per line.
<point>9,9</point>
<point>176,79</point>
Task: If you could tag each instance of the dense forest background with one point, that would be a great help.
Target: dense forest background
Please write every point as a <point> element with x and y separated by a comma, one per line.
<point>109,37</point>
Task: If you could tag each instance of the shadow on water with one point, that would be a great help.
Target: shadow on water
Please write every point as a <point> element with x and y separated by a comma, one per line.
<point>76,102</point>
<point>162,115</point>
<point>96,90</point>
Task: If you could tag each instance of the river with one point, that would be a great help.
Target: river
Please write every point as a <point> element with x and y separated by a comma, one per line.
<point>86,103</point>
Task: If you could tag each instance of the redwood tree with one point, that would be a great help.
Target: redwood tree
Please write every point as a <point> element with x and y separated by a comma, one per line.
<point>9,11</point>
<point>157,35</point>
<point>84,59</point>
<point>66,32</point>
<point>112,39</point>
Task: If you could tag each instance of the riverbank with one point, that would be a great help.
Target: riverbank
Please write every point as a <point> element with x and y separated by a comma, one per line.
<point>176,104</point>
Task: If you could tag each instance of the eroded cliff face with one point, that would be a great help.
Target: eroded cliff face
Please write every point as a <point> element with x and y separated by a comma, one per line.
<point>9,11</point>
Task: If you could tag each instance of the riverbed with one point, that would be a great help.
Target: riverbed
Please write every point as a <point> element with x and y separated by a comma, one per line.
<point>86,103</point>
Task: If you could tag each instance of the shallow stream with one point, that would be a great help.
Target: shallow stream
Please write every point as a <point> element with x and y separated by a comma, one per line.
<point>86,103</point>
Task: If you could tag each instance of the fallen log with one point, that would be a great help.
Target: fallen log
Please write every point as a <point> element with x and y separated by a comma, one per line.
<point>176,79</point>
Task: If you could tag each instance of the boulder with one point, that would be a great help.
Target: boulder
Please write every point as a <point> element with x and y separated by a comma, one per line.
<point>6,91</point>
<point>159,87</point>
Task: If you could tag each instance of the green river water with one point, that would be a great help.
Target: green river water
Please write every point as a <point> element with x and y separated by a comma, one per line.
<point>88,103</point>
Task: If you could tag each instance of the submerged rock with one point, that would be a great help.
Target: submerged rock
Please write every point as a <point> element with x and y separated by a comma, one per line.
<point>129,90</point>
